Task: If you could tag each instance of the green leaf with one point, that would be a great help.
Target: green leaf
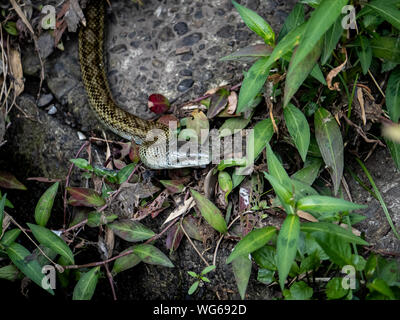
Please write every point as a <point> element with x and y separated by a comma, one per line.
<point>9,237</point>
<point>256,23</point>
<point>82,164</point>
<point>276,169</point>
<point>299,291</point>
<point>193,274</point>
<point>86,285</point>
<point>339,251</point>
<point>253,82</point>
<point>131,231</point>
<point>386,48</point>
<point>330,142</point>
<point>331,39</point>
<point>173,186</point>
<point>253,241</point>
<point>210,212</point>
<point>334,289</point>
<point>225,183</point>
<point>151,255</point>
<point>300,69</point>
<point>45,204</point>
<point>287,246</point>
<point>316,72</point>
<point>30,268</point>
<point>51,240</point>
<point>85,197</point>
<point>299,129</point>
<point>231,125</point>
<point>126,262</point>
<point>249,53</point>
<point>266,276</point>
<point>285,195</point>
<point>265,257</point>
<point>9,273</point>
<point>295,19</point>
<point>96,219</point>
<point>393,95</point>
<point>241,266</point>
<point>208,269</point>
<point>382,287</point>
<point>394,149</point>
<point>309,173</point>
<point>325,204</point>
<point>193,287</point>
<point>387,10</point>
<point>11,28</point>
<point>364,53</point>
<point>333,229</point>
<point>125,172</point>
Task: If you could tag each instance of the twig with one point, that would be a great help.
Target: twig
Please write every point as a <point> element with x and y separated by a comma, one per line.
<point>99,263</point>
<point>193,245</point>
<point>111,280</point>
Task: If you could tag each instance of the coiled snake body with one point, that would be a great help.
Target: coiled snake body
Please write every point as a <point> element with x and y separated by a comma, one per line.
<point>155,150</point>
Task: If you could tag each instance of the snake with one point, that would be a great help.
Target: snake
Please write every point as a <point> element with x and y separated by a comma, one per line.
<point>158,150</point>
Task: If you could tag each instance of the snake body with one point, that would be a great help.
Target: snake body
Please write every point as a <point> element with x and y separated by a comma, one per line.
<point>155,154</point>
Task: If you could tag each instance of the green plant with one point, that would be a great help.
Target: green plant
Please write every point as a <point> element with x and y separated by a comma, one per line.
<point>199,278</point>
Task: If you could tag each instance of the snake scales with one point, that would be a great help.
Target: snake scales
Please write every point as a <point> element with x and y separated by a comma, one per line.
<point>155,150</point>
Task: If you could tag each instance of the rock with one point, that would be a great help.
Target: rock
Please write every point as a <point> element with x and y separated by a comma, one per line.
<point>225,32</point>
<point>52,110</point>
<point>44,100</point>
<point>45,45</point>
<point>186,73</point>
<point>166,34</point>
<point>181,28</point>
<point>185,85</point>
<point>30,61</point>
<point>192,39</point>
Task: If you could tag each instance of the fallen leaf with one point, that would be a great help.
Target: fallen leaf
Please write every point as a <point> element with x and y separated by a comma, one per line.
<point>333,73</point>
<point>16,71</point>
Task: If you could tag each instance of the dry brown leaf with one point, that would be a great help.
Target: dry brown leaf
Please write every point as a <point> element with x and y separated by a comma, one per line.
<point>360,97</point>
<point>16,71</point>
<point>22,15</point>
<point>232,103</point>
<point>182,209</point>
<point>333,73</point>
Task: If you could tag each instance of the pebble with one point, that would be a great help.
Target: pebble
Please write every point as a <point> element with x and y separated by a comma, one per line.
<point>186,73</point>
<point>166,34</point>
<point>44,100</point>
<point>52,110</point>
<point>185,85</point>
<point>81,136</point>
<point>181,28</point>
<point>192,39</point>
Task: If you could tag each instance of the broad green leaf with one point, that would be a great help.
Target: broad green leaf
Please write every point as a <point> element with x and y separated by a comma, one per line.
<point>210,212</point>
<point>265,257</point>
<point>225,183</point>
<point>320,21</point>
<point>31,268</point>
<point>131,231</point>
<point>339,251</point>
<point>173,186</point>
<point>333,229</point>
<point>7,204</point>
<point>334,289</point>
<point>249,53</point>
<point>287,246</point>
<point>316,72</point>
<point>388,271</point>
<point>8,181</point>
<point>82,164</point>
<point>324,204</point>
<point>151,255</point>
<point>387,10</point>
<point>11,28</point>
<point>230,125</point>
<point>330,142</point>
<point>259,136</point>
<point>2,204</point>
<point>299,291</point>
<point>309,173</point>
<point>295,19</point>
<point>382,287</point>
<point>256,23</point>
<point>85,197</point>
<point>96,219</point>
<point>9,237</point>
<point>9,273</point>
<point>364,53</point>
<point>299,70</point>
<point>51,240</point>
<point>86,285</point>
<point>299,129</point>
<point>285,195</point>
<point>253,241</point>
<point>125,172</point>
<point>393,95</point>
<point>386,48</point>
<point>241,266</point>
<point>276,169</point>
<point>125,262</point>
<point>331,39</point>
<point>253,82</point>
<point>45,204</point>
<point>266,276</point>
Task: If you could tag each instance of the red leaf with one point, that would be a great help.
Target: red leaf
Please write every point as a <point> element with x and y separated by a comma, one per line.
<point>84,197</point>
<point>174,237</point>
<point>158,103</point>
<point>8,181</point>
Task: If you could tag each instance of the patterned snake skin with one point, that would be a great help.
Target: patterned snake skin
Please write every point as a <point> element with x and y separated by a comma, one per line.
<point>154,151</point>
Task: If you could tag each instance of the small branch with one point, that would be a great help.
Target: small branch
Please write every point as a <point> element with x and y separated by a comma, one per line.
<point>193,245</point>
